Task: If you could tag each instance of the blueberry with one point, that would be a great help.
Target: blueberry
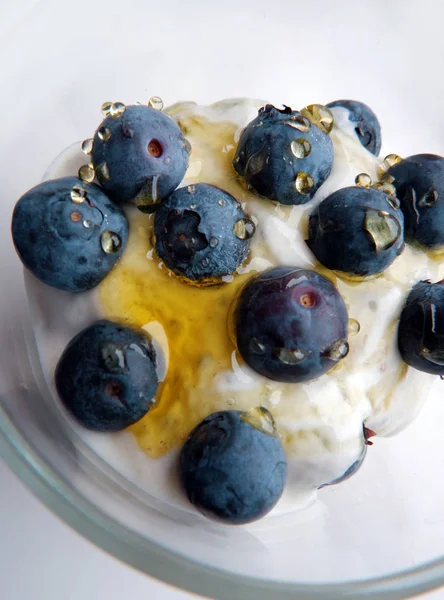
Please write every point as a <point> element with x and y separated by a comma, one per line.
<point>291,324</point>
<point>283,156</point>
<point>366,123</point>
<point>419,183</point>
<point>140,156</point>
<point>352,469</point>
<point>232,468</point>
<point>357,231</point>
<point>106,377</point>
<point>202,233</point>
<point>421,328</point>
<point>68,233</point>
<point>357,464</point>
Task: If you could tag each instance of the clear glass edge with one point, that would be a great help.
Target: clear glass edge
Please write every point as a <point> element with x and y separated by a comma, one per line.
<point>172,568</point>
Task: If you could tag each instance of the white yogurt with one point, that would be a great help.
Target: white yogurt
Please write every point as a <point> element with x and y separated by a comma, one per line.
<point>320,422</point>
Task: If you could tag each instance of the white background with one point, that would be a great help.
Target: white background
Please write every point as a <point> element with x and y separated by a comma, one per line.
<point>40,557</point>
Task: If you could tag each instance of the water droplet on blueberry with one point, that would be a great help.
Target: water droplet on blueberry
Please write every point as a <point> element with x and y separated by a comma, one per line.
<point>363,180</point>
<point>320,116</point>
<point>300,123</point>
<point>117,109</point>
<point>257,161</point>
<point>300,147</point>
<point>78,194</point>
<point>304,183</point>
<point>244,229</point>
<point>155,102</point>
<point>291,357</point>
<point>337,351</point>
<point>110,242</point>
<point>383,228</point>
<point>353,327</point>
<point>106,109</point>
<point>87,146</point>
<point>102,171</point>
<point>256,347</point>
<point>260,418</point>
<point>104,133</point>
<point>87,173</point>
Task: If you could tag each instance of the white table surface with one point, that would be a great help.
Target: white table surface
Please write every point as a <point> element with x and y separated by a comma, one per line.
<point>41,558</point>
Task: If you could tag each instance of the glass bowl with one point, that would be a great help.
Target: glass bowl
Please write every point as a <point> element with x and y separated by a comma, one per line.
<point>378,535</point>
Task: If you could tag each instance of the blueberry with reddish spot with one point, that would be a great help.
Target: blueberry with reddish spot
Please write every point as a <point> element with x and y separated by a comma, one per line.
<point>202,233</point>
<point>106,376</point>
<point>283,156</point>
<point>140,156</point>
<point>357,231</point>
<point>291,324</point>
<point>419,183</point>
<point>366,123</point>
<point>232,468</point>
<point>421,328</point>
<point>68,233</point>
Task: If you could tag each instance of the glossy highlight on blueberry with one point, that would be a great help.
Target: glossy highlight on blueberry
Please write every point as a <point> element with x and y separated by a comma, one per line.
<point>421,328</point>
<point>419,183</point>
<point>58,228</point>
<point>232,470</point>
<point>283,156</point>
<point>366,123</point>
<point>106,377</point>
<point>202,233</point>
<point>139,155</point>
<point>357,231</point>
<point>291,324</point>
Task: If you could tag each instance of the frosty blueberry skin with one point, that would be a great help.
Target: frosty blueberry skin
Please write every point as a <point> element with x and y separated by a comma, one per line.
<point>139,155</point>
<point>283,155</point>
<point>68,233</point>
<point>202,233</point>
<point>106,376</point>
<point>419,183</point>
<point>366,123</point>
<point>421,328</point>
<point>356,230</point>
<point>232,468</point>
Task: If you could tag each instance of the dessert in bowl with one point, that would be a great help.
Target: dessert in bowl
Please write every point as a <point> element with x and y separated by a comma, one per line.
<point>232,293</point>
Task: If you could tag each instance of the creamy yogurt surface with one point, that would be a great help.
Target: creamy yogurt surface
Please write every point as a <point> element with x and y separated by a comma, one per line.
<point>320,422</point>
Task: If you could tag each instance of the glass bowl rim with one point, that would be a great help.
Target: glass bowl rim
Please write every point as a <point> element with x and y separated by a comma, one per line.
<point>171,568</point>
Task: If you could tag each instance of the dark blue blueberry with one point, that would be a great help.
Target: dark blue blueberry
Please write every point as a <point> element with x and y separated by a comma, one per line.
<point>421,328</point>
<point>106,377</point>
<point>357,231</point>
<point>291,324</point>
<point>283,156</point>
<point>202,233</point>
<point>419,183</point>
<point>231,468</point>
<point>68,233</point>
<point>366,123</point>
<point>356,465</point>
<point>139,156</point>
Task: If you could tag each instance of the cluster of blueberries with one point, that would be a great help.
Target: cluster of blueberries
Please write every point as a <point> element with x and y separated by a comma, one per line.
<point>70,232</point>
